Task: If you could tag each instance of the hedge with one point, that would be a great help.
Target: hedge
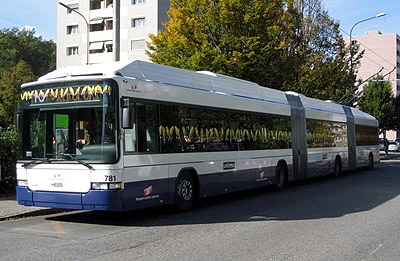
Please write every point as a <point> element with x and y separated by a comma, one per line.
<point>9,141</point>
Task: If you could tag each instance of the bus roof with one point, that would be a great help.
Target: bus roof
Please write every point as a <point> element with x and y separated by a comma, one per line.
<point>201,80</point>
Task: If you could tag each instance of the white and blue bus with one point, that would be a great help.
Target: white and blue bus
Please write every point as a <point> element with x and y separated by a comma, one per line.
<point>125,136</point>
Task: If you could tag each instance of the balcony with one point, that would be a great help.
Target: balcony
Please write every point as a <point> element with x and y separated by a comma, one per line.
<point>101,4</point>
<point>100,58</point>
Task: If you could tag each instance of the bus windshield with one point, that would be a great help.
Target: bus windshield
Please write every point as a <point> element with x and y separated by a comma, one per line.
<point>70,121</point>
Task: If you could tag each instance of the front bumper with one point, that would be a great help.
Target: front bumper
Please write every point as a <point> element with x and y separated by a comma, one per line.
<point>92,200</point>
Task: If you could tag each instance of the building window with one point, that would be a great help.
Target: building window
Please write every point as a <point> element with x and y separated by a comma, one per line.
<point>138,2</point>
<point>72,29</point>
<point>109,47</point>
<point>74,7</point>
<point>72,51</point>
<point>138,44</point>
<point>95,4</point>
<point>109,3</point>
<point>138,22</point>
<point>109,24</point>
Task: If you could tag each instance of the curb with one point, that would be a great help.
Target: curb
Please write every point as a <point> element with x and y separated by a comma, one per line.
<point>33,213</point>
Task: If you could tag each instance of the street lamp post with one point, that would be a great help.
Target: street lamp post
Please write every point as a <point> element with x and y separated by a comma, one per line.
<point>87,26</point>
<point>351,42</point>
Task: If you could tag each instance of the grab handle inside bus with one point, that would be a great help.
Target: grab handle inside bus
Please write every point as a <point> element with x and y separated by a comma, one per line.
<point>127,119</point>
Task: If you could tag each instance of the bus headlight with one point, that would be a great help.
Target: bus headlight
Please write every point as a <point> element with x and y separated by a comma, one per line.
<point>104,186</point>
<point>22,183</point>
<point>115,185</point>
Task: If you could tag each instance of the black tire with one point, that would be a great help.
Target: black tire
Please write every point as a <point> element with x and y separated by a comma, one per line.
<point>281,177</point>
<point>337,171</point>
<point>370,161</point>
<point>185,191</point>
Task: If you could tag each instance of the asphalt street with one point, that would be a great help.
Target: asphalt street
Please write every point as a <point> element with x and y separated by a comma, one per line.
<point>355,217</point>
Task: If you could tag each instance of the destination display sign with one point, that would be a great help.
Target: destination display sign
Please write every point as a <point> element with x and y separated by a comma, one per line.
<point>66,94</point>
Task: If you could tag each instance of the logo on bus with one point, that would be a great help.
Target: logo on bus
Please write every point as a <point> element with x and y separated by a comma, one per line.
<point>148,194</point>
<point>148,191</point>
<point>133,88</point>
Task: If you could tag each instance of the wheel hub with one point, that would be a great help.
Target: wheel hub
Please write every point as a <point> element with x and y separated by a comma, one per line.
<point>185,190</point>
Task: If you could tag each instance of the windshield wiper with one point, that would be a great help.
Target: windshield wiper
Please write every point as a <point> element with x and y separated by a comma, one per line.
<point>72,157</point>
<point>36,161</point>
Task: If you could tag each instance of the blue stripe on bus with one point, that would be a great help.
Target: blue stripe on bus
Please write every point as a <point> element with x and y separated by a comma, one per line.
<point>133,196</point>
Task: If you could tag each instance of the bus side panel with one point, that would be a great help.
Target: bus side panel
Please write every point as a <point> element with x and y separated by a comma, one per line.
<point>220,177</point>
<point>145,186</point>
<point>237,180</point>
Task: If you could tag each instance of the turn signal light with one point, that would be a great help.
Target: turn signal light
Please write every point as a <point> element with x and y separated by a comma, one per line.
<point>22,183</point>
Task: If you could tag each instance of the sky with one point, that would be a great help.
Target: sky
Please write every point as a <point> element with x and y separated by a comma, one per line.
<point>41,15</point>
<point>38,14</point>
<point>349,12</point>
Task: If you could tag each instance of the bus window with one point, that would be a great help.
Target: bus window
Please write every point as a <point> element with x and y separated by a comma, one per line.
<point>37,123</point>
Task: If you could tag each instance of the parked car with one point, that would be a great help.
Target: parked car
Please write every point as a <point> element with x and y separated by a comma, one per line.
<point>382,143</point>
<point>394,146</point>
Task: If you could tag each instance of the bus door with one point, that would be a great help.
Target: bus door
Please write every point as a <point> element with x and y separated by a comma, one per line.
<point>61,134</point>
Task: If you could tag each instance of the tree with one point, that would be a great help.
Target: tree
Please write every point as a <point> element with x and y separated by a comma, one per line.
<point>377,100</point>
<point>282,44</point>
<point>325,73</point>
<point>17,45</point>
<point>23,58</point>
<point>10,89</point>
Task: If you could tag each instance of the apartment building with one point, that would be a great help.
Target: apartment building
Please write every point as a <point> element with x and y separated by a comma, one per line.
<point>108,30</point>
<point>380,51</point>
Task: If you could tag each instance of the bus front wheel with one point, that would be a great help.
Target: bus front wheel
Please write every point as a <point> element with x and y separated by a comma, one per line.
<point>185,191</point>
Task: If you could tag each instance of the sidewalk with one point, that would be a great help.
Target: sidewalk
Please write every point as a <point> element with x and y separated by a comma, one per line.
<point>9,208</point>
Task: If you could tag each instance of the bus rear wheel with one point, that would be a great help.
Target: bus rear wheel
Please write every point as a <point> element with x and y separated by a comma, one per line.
<point>185,191</point>
<point>281,177</point>
<point>338,168</point>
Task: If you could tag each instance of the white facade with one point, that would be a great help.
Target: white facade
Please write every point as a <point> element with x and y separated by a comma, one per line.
<point>138,19</point>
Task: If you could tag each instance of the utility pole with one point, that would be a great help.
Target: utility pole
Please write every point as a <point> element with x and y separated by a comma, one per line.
<point>117,31</point>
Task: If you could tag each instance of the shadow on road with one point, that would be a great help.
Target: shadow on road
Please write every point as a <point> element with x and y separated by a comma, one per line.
<point>312,199</point>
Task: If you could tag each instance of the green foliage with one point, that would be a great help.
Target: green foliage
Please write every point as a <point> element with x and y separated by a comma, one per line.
<point>17,45</point>
<point>377,100</point>
<point>10,89</point>
<point>9,140</point>
<point>283,44</point>
<point>23,58</point>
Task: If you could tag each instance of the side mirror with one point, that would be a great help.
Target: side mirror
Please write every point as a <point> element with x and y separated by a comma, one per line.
<point>127,119</point>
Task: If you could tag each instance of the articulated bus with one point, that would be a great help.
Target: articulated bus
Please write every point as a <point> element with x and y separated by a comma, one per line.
<point>124,136</point>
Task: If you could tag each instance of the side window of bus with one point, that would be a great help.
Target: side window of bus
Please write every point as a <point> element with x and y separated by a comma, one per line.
<point>146,121</point>
<point>130,135</point>
<point>143,137</point>
<point>169,136</point>
<point>326,134</point>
